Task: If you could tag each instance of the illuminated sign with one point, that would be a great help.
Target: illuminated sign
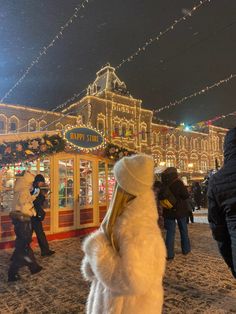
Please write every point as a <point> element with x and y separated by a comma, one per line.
<point>84,138</point>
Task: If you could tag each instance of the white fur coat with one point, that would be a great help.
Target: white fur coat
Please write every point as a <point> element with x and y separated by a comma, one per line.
<point>130,281</point>
<point>22,199</point>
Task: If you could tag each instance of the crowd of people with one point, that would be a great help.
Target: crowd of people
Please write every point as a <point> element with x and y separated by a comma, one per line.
<point>125,258</point>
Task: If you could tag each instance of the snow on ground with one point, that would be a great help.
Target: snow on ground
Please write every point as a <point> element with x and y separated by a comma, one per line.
<point>197,283</point>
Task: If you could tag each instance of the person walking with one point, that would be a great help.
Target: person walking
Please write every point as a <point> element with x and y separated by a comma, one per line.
<point>37,225</point>
<point>179,212</point>
<point>222,203</point>
<point>21,214</point>
<point>197,194</point>
<point>125,258</point>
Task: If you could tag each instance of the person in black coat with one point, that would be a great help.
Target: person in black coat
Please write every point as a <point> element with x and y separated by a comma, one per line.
<point>37,226</point>
<point>222,203</point>
<point>179,212</point>
<point>197,194</point>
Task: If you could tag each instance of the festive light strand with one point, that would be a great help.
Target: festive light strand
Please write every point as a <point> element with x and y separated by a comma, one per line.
<point>45,49</point>
<point>76,95</point>
<point>151,40</point>
<point>64,116</point>
<point>200,92</point>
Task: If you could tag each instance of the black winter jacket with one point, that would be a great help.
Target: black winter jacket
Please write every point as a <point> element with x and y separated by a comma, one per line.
<point>222,202</point>
<point>177,187</point>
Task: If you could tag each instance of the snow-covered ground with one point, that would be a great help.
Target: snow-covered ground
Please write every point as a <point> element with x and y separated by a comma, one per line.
<point>197,283</point>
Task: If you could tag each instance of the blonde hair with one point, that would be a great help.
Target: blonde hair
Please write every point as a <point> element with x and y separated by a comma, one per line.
<point>120,199</point>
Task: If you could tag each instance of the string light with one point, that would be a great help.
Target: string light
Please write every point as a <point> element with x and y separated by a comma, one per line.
<point>76,95</point>
<point>151,40</point>
<point>197,93</point>
<point>45,49</point>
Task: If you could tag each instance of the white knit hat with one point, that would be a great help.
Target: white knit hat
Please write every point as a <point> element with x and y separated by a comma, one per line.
<point>135,174</point>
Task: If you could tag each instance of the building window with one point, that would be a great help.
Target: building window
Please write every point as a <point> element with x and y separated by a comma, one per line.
<point>123,130</point>
<point>116,129</point>
<point>32,125</point>
<point>2,127</point>
<point>12,127</point>
<point>42,125</point>
<point>101,125</point>
<point>170,161</point>
<point>143,134</point>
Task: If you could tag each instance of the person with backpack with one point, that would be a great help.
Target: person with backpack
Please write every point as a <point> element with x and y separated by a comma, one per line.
<point>222,203</point>
<point>174,197</point>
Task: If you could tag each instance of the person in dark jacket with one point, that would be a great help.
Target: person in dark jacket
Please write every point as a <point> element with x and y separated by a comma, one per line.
<point>178,213</point>
<point>222,203</point>
<point>197,194</point>
<point>37,226</point>
<point>156,188</point>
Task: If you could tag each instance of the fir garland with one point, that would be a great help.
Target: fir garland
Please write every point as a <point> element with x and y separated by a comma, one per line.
<point>13,152</point>
<point>116,152</point>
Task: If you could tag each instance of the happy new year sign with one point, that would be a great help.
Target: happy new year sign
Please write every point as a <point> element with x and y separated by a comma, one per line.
<point>84,138</point>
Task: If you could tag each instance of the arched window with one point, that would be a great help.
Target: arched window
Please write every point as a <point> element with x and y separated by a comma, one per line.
<point>172,140</point>
<point>13,124</point>
<point>194,162</point>
<point>131,129</point>
<point>116,129</point>
<point>181,142</point>
<point>100,125</point>
<point>59,126</point>
<point>123,130</point>
<point>183,162</point>
<point>42,125</point>
<point>143,131</point>
<point>167,140</point>
<point>32,125</point>
<point>170,160</point>
<point>204,164</point>
<point>3,124</point>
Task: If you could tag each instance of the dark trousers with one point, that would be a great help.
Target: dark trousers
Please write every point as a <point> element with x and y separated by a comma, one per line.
<point>23,255</point>
<point>170,226</point>
<point>37,227</point>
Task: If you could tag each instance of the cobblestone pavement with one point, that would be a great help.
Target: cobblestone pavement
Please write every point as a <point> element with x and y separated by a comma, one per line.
<point>197,283</point>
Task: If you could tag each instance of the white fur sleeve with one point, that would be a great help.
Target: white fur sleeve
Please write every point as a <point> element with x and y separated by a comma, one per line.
<point>132,272</point>
<point>86,269</point>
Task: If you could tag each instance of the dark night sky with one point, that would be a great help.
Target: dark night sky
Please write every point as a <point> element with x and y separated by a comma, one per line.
<point>198,52</point>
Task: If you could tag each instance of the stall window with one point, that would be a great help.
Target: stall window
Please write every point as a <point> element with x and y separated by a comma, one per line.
<point>102,182</point>
<point>66,183</point>
<point>86,183</point>
<point>110,181</point>
<point>44,169</point>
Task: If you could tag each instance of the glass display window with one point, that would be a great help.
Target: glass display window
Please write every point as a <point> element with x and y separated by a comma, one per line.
<point>7,181</point>
<point>102,183</point>
<point>44,169</point>
<point>86,183</point>
<point>66,183</point>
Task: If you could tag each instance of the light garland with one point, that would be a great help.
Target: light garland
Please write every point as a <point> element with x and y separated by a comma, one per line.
<point>53,110</point>
<point>151,40</point>
<point>202,91</point>
<point>45,49</point>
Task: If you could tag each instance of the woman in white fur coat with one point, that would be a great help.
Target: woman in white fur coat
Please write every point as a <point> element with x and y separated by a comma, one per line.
<point>23,210</point>
<point>125,258</point>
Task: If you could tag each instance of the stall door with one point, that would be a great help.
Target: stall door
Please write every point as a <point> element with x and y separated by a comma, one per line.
<point>65,194</point>
<point>87,196</point>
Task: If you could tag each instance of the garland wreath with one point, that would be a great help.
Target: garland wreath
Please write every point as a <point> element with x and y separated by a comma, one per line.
<point>27,150</point>
<point>115,152</point>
